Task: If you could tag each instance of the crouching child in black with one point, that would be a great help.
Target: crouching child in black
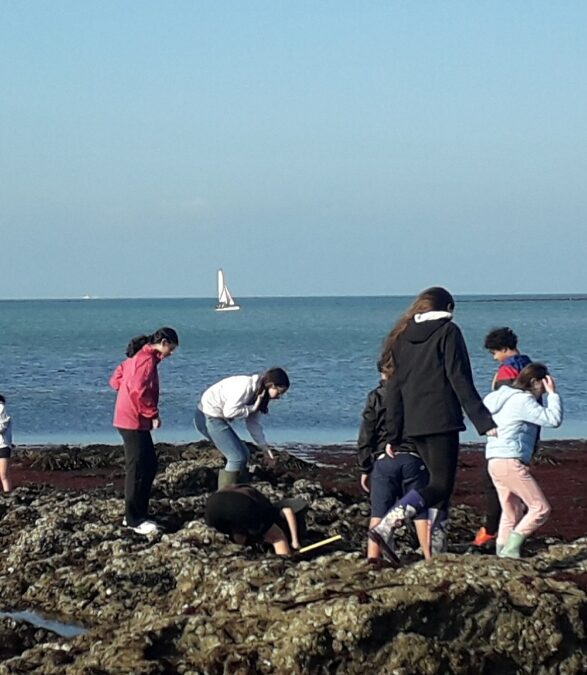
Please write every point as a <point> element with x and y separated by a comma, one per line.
<point>385,478</point>
<point>248,517</point>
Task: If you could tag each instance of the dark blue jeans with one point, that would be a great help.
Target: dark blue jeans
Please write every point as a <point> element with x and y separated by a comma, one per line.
<point>392,478</point>
<point>219,431</point>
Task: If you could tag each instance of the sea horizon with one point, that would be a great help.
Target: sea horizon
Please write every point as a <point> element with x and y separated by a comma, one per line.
<point>521,295</point>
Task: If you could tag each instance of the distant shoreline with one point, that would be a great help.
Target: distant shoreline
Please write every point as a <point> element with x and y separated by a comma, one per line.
<point>461,297</point>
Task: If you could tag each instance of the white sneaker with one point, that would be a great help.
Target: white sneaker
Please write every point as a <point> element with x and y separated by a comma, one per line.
<point>124,523</point>
<point>146,527</point>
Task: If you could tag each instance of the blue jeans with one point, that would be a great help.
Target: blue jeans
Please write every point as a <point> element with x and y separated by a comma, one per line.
<point>224,437</point>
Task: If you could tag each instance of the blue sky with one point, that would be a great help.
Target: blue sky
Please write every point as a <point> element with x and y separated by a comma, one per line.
<point>308,148</point>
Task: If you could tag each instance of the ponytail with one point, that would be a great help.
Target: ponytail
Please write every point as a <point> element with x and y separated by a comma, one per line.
<point>137,343</point>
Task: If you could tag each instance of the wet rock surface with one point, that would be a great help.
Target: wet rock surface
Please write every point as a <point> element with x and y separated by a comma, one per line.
<point>188,601</point>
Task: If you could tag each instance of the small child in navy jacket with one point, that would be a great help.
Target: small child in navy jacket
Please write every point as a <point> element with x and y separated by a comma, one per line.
<point>387,479</point>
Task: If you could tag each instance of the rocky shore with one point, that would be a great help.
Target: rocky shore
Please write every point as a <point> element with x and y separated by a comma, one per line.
<point>188,601</point>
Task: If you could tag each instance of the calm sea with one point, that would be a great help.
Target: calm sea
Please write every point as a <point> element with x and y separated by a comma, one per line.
<point>57,357</point>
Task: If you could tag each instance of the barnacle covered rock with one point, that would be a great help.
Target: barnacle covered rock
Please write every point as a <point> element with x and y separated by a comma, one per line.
<point>187,600</point>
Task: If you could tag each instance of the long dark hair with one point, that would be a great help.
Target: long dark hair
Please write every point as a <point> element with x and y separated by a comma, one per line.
<point>274,376</point>
<point>137,343</point>
<point>528,376</point>
<point>432,299</point>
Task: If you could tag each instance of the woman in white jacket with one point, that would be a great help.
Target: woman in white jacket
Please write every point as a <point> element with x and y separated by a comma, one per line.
<point>5,446</point>
<point>240,396</point>
<point>518,415</point>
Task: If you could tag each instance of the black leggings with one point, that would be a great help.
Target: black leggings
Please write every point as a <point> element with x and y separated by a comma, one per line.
<point>141,466</point>
<point>440,453</point>
<point>492,505</point>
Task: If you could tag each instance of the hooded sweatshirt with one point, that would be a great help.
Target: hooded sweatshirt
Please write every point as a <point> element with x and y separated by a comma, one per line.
<point>137,382</point>
<point>432,382</point>
<point>518,415</point>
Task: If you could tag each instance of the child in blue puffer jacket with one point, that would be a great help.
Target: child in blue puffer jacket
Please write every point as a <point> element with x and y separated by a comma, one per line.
<point>518,415</point>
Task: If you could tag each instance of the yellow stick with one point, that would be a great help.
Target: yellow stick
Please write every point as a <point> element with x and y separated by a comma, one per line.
<point>320,543</point>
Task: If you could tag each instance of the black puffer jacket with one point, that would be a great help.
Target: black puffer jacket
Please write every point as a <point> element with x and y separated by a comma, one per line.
<point>432,383</point>
<point>373,432</point>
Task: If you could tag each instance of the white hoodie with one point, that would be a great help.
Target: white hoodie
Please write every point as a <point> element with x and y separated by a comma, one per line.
<point>229,399</point>
<point>5,428</point>
<point>518,415</point>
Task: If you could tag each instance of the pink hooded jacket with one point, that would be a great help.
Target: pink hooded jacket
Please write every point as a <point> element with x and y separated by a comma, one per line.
<point>137,382</point>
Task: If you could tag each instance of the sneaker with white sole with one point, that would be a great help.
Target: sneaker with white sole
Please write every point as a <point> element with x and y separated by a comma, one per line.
<point>124,522</point>
<point>146,527</point>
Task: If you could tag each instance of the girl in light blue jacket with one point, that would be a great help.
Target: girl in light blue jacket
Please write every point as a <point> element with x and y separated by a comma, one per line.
<point>518,415</point>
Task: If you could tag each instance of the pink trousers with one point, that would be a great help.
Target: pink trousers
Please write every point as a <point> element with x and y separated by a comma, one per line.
<point>516,488</point>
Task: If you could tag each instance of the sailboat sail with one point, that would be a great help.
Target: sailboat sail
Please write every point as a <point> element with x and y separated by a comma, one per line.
<point>225,300</point>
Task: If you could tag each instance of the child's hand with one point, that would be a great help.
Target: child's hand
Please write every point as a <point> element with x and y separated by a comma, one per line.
<point>389,450</point>
<point>492,432</point>
<point>549,384</point>
<point>156,423</point>
<point>295,544</point>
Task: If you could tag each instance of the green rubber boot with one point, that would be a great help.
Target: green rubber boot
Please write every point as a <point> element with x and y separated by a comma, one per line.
<point>513,545</point>
<point>226,478</point>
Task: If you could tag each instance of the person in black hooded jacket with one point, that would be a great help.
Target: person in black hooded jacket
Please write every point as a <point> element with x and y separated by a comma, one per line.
<point>430,382</point>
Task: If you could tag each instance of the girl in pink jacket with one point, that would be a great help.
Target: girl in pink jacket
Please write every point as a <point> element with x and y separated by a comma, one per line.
<point>136,412</point>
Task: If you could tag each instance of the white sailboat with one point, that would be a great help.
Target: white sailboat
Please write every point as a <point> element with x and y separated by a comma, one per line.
<point>226,302</point>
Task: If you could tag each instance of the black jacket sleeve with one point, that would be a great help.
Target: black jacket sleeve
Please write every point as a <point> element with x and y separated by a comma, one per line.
<point>367,441</point>
<point>460,376</point>
<point>394,411</point>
